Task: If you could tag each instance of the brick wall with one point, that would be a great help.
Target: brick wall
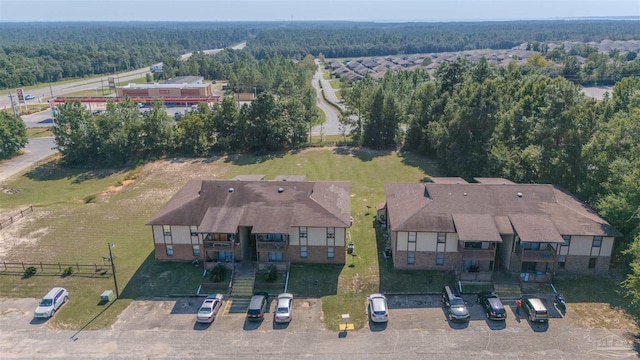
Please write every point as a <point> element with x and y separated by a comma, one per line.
<point>426,261</point>
<point>580,265</point>
<point>181,252</point>
<point>317,255</point>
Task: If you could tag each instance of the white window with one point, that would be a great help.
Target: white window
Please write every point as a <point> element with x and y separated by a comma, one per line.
<point>331,233</point>
<point>194,230</point>
<point>330,253</point>
<point>169,250</point>
<point>166,229</point>
<point>412,236</point>
<point>196,250</point>
<point>442,237</point>
<point>567,240</point>
<point>303,232</point>
<point>440,259</point>
<point>303,251</point>
<point>597,241</point>
<point>411,258</point>
<point>276,256</point>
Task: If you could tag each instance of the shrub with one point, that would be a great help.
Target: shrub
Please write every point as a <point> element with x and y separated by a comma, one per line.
<point>67,271</point>
<point>270,273</point>
<point>30,271</point>
<point>89,199</point>
<point>218,273</point>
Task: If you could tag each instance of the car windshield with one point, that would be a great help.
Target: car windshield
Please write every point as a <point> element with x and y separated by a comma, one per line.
<point>46,302</point>
<point>456,301</point>
<point>379,307</point>
<point>205,310</point>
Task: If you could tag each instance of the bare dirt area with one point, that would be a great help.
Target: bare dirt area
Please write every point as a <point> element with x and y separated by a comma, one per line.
<point>14,236</point>
<point>603,315</point>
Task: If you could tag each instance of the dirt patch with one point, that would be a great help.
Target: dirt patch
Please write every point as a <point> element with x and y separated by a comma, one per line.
<point>601,315</point>
<point>13,236</point>
<point>122,185</point>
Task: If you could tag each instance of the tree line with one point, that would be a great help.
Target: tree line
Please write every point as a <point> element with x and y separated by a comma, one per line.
<point>28,56</point>
<point>278,119</point>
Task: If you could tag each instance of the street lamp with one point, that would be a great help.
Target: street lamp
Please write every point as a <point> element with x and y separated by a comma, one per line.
<point>113,269</point>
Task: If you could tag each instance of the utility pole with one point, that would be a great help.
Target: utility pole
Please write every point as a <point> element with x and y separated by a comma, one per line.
<point>13,106</point>
<point>113,269</point>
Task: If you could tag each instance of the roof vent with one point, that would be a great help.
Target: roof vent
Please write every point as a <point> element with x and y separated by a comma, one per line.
<point>519,194</point>
<point>465,194</point>
<point>280,190</point>
<point>230,189</point>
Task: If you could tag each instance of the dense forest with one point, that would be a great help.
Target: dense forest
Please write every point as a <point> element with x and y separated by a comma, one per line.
<point>28,55</point>
<point>376,39</point>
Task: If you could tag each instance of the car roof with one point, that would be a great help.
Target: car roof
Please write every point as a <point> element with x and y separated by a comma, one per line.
<point>53,292</point>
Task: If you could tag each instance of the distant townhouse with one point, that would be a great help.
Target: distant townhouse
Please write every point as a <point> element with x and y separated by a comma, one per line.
<point>287,220</point>
<point>476,229</point>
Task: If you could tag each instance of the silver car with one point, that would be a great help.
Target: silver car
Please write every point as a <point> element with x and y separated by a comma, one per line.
<point>284,308</point>
<point>51,302</point>
<point>378,309</point>
<point>209,308</point>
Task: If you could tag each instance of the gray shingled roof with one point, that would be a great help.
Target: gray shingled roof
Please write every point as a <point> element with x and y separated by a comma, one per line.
<point>430,207</point>
<point>269,206</point>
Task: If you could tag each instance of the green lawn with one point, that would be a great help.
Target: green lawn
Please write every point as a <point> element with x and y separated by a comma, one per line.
<point>39,132</point>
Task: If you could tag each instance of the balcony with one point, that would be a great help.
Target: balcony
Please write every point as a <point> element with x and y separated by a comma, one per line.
<point>477,254</point>
<point>217,240</point>
<point>530,255</point>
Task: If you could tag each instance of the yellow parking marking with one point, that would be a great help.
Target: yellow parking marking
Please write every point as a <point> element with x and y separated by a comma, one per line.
<point>345,327</point>
<point>227,307</point>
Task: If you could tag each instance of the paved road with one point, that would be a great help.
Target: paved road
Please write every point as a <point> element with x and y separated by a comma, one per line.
<point>331,125</point>
<point>36,150</point>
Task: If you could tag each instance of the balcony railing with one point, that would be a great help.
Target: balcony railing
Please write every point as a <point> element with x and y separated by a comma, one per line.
<point>546,255</point>
<point>272,245</point>
<point>476,253</point>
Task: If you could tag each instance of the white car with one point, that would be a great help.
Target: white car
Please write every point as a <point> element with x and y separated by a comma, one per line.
<point>51,302</point>
<point>29,97</point>
<point>284,308</point>
<point>209,308</point>
<point>378,309</point>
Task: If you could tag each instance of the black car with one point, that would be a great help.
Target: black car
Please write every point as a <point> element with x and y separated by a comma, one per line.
<point>492,306</point>
<point>258,306</point>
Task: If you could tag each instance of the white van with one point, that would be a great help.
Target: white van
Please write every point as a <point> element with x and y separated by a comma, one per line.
<point>51,302</point>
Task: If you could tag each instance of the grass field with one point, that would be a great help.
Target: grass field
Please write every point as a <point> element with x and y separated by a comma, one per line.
<point>78,212</point>
<point>39,132</point>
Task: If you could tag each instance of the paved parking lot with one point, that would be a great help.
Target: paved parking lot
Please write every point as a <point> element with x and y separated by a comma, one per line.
<point>417,329</point>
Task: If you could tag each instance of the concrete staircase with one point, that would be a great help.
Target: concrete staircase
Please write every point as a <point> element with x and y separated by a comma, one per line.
<point>243,281</point>
<point>508,292</point>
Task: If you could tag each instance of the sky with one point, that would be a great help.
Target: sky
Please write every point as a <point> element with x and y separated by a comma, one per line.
<point>302,10</point>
